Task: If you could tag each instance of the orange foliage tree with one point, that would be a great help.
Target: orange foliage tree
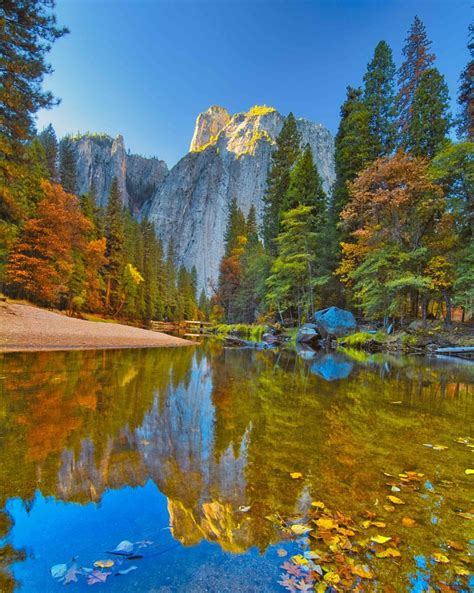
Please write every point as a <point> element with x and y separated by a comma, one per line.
<point>398,221</point>
<point>42,261</point>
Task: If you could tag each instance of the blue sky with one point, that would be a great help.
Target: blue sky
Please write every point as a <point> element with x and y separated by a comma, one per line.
<point>146,68</point>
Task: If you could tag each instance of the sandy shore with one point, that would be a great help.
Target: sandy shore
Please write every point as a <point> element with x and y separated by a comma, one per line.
<point>23,328</point>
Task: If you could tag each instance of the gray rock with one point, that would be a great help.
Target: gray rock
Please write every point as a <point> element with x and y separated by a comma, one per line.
<point>335,322</point>
<point>308,334</point>
<point>230,158</point>
<point>100,158</point>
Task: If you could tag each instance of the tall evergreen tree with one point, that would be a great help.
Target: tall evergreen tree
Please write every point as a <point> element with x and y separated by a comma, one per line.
<point>28,30</point>
<point>50,144</point>
<point>306,188</point>
<point>67,166</point>
<point>283,158</point>
<point>379,97</point>
<point>418,60</point>
<point>115,251</point>
<point>251,230</point>
<point>353,146</point>
<point>235,227</point>
<point>466,93</point>
<point>429,122</point>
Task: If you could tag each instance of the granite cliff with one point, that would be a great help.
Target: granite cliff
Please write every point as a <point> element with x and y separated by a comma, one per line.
<point>100,158</point>
<point>229,157</point>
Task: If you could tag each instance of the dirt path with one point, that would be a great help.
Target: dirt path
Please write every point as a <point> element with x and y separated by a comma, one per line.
<point>23,327</point>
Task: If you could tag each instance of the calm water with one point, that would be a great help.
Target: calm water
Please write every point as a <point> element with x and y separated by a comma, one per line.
<point>192,449</point>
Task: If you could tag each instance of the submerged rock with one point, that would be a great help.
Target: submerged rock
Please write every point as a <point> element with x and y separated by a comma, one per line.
<point>332,367</point>
<point>335,322</point>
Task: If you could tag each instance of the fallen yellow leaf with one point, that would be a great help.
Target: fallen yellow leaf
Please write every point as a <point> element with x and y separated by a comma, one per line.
<point>318,504</point>
<point>395,499</point>
<point>389,508</point>
<point>332,578</point>
<point>380,539</point>
<point>300,529</point>
<point>362,571</point>
<point>296,475</point>
<point>388,553</point>
<point>326,523</point>
<point>299,560</point>
<point>407,522</point>
<point>104,563</point>
<point>469,472</point>
<point>439,557</point>
<point>281,552</point>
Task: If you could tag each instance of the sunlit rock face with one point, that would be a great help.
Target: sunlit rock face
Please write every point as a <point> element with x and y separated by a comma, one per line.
<point>100,158</point>
<point>230,158</point>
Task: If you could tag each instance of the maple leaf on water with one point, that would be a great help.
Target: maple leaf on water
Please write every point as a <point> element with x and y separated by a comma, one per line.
<point>71,575</point>
<point>287,582</point>
<point>292,568</point>
<point>304,586</point>
<point>97,576</point>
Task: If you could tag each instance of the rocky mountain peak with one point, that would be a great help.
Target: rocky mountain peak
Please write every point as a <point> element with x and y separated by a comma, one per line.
<point>208,125</point>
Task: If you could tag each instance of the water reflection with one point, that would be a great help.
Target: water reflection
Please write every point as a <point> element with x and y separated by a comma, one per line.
<point>219,430</point>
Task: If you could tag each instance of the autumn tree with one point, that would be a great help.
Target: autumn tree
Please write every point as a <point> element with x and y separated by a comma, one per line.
<point>42,261</point>
<point>395,213</point>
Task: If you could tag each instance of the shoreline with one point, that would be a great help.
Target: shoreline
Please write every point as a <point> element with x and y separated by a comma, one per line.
<point>25,328</point>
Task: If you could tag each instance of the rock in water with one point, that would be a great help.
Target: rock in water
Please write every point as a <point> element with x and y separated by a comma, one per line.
<point>307,334</point>
<point>335,322</point>
<point>230,158</point>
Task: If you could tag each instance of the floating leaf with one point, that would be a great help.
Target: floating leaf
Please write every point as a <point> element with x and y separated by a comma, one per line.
<point>388,553</point>
<point>124,548</point>
<point>300,529</point>
<point>389,508</point>
<point>281,552</point>
<point>104,563</point>
<point>97,576</point>
<point>461,571</point>
<point>439,447</point>
<point>58,571</point>
<point>468,516</point>
<point>332,578</point>
<point>439,557</point>
<point>296,475</point>
<point>395,489</point>
<point>469,472</point>
<point>299,560</point>
<point>395,499</point>
<point>455,545</point>
<point>318,504</point>
<point>408,522</point>
<point>326,523</point>
<point>362,571</point>
<point>244,509</point>
<point>380,539</point>
<point>126,570</point>
<point>71,575</point>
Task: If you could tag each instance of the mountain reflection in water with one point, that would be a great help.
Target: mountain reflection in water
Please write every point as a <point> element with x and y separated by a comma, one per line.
<point>136,440</point>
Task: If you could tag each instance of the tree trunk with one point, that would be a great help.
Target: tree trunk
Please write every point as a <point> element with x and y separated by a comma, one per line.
<point>424,309</point>
<point>448,318</point>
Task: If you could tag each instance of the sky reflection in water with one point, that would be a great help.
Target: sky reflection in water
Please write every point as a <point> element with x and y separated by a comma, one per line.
<point>166,445</point>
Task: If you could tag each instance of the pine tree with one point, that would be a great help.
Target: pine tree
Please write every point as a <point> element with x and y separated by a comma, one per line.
<point>235,226</point>
<point>306,188</point>
<point>379,97</point>
<point>353,146</point>
<point>50,144</point>
<point>204,305</point>
<point>67,166</point>
<point>418,60</point>
<point>251,230</point>
<point>115,251</point>
<point>466,94</point>
<point>171,299</point>
<point>429,122</point>
<point>28,32</point>
<point>292,279</point>
<point>283,158</point>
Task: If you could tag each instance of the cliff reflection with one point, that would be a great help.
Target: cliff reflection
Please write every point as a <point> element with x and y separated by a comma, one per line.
<point>219,431</point>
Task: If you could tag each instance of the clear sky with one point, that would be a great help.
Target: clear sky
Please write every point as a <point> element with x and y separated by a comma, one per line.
<point>146,68</point>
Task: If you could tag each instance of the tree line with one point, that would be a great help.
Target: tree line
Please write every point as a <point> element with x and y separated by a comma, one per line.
<point>395,238</point>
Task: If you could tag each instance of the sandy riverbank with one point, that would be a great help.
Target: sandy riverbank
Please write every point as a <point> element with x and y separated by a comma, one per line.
<point>23,328</point>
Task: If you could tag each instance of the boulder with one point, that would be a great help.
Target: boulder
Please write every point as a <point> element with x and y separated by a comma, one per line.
<point>335,322</point>
<point>307,334</point>
<point>332,367</point>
